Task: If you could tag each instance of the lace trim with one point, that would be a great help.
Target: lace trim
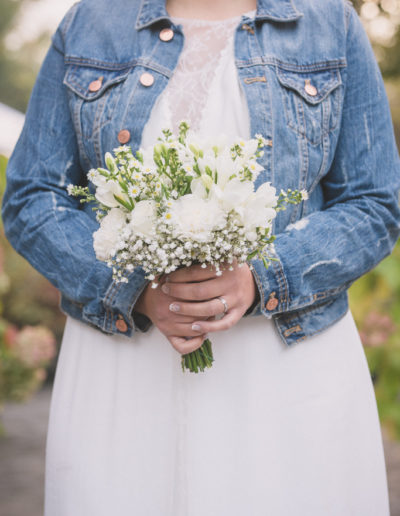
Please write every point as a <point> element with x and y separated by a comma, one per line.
<point>207,43</point>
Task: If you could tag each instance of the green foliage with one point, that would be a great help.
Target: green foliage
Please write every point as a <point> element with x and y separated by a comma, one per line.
<point>375,303</point>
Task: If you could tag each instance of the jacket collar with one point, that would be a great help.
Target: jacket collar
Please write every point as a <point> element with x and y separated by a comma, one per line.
<point>152,11</point>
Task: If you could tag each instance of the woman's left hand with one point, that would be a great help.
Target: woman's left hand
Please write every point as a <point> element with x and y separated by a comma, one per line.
<point>196,292</point>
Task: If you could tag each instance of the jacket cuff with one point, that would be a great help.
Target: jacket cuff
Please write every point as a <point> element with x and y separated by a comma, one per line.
<point>116,309</point>
<point>272,288</point>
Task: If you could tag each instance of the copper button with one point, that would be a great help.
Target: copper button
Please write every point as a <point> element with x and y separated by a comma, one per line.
<point>124,136</point>
<point>272,302</point>
<point>121,326</point>
<point>95,85</point>
<point>166,34</point>
<point>146,79</point>
<point>310,89</point>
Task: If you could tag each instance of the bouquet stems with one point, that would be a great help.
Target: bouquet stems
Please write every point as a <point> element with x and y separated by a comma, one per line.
<point>198,359</point>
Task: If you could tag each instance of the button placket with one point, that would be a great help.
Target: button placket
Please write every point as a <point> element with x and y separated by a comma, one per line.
<point>124,136</point>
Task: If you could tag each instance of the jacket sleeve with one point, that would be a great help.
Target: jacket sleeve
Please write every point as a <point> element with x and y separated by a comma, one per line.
<point>47,226</point>
<point>360,220</point>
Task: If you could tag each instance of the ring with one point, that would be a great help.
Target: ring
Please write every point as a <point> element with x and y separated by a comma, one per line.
<point>223,301</point>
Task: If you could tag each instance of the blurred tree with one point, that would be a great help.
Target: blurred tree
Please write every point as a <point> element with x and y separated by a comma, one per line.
<point>17,68</point>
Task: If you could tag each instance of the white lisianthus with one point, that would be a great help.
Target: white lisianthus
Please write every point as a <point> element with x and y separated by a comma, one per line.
<point>143,218</point>
<point>195,218</point>
<point>235,195</point>
<point>106,238</point>
<point>106,190</point>
<point>267,194</point>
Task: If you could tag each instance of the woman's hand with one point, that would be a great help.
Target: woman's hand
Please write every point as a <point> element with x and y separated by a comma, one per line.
<point>155,304</point>
<point>195,292</point>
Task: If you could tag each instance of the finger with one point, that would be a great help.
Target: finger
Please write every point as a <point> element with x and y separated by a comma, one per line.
<point>202,291</point>
<point>182,330</point>
<point>192,274</point>
<point>229,320</point>
<point>184,346</point>
<point>203,309</point>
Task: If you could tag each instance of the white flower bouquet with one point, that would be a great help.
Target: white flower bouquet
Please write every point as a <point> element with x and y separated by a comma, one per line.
<point>180,202</point>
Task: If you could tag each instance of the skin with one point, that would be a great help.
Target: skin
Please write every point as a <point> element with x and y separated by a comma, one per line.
<point>209,9</point>
<point>185,306</point>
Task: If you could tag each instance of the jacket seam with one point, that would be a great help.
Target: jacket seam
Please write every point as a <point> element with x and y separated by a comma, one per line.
<point>292,67</point>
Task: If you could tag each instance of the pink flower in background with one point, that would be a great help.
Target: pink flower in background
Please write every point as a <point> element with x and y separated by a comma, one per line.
<point>35,346</point>
<point>10,335</point>
<point>376,329</point>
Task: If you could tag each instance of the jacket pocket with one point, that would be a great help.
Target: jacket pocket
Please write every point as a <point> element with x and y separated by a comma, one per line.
<point>94,93</point>
<point>312,100</point>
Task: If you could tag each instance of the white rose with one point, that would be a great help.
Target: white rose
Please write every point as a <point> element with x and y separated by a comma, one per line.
<point>196,218</point>
<point>143,217</point>
<point>106,238</point>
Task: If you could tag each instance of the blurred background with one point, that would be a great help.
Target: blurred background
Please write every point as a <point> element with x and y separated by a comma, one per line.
<point>31,324</point>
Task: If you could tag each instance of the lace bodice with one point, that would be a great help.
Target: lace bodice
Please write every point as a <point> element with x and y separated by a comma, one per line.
<point>204,88</point>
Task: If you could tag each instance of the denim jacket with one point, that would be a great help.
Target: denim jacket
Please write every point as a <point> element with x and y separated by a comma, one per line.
<point>314,91</point>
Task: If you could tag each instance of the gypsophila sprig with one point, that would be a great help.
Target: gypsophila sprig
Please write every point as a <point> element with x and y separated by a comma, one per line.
<point>180,202</point>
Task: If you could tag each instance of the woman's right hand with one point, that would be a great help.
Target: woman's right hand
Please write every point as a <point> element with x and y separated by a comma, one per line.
<point>176,327</point>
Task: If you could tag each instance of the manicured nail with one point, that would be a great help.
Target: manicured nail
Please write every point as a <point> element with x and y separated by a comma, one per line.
<point>165,289</point>
<point>196,327</point>
<point>174,307</point>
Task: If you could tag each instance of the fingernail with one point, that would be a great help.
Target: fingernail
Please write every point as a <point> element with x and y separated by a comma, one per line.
<point>196,327</point>
<point>165,289</point>
<point>174,307</point>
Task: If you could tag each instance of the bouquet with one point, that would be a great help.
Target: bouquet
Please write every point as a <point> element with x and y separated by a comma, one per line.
<point>180,202</point>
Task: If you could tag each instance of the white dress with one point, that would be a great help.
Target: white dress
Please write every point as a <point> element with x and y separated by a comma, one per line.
<point>270,430</point>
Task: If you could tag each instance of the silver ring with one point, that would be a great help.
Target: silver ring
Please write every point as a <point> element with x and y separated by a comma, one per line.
<point>223,301</point>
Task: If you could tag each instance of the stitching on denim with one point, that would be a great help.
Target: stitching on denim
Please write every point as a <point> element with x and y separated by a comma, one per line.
<point>96,137</point>
<point>294,329</point>
<point>283,286</point>
<point>260,289</point>
<point>71,80</point>
<point>251,80</point>
<point>117,67</point>
<point>79,131</point>
<point>331,323</point>
<point>292,67</point>
<point>68,20</point>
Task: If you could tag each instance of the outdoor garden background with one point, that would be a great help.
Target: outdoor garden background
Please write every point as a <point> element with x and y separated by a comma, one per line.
<point>31,324</point>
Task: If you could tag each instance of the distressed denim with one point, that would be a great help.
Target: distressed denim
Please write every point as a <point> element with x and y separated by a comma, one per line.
<point>314,91</point>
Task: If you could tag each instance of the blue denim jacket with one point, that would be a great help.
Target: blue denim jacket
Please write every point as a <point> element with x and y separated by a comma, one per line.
<point>314,91</point>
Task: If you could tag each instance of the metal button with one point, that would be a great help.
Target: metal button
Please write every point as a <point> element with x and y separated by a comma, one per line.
<point>310,89</point>
<point>146,79</point>
<point>121,326</point>
<point>166,34</point>
<point>95,85</point>
<point>124,136</point>
<point>272,302</point>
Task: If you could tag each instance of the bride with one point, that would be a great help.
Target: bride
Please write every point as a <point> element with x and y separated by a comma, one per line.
<point>285,422</point>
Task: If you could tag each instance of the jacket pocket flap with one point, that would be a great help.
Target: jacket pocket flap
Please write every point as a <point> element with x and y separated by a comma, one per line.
<point>90,82</point>
<point>312,86</point>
